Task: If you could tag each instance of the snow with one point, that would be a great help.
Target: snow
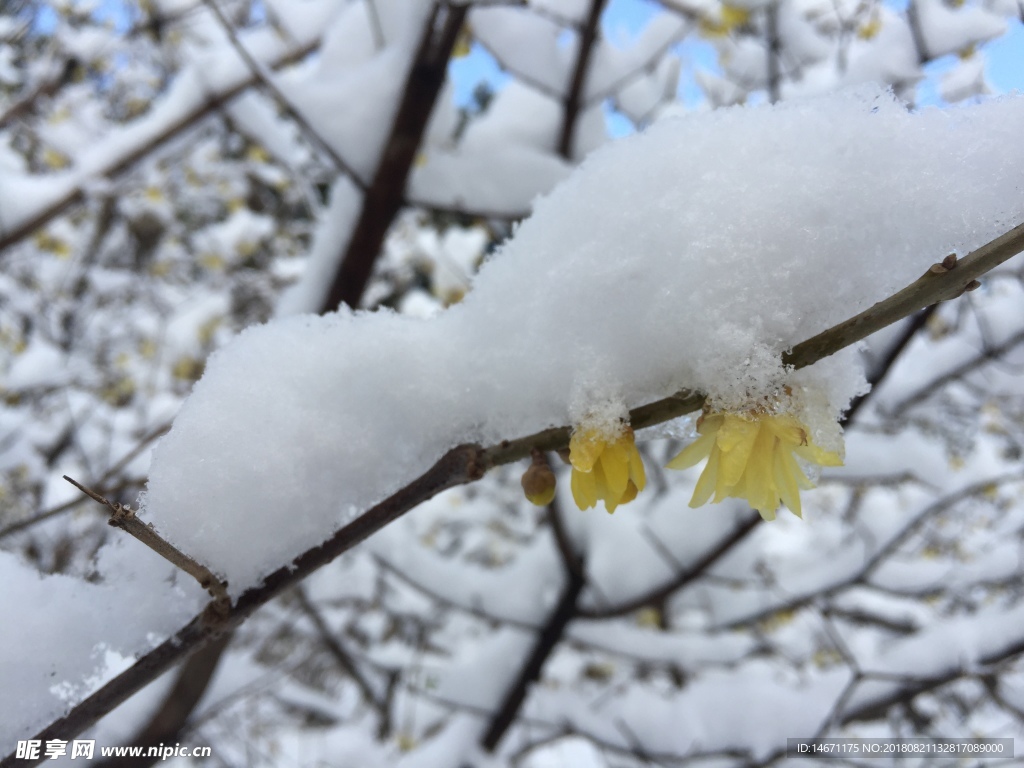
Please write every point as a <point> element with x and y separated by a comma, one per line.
<point>529,586</point>
<point>40,364</point>
<point>543,63</point>
<point>236,237</point>
<point>944,648</point>
<point>687,257</point>
<point>966,79</point>
<point>613,65</point>
<point>949,29</point>
<point>505,159</point>
<point>692,650</point>
<point>727,710</point>
<point>354,88</point>
<point>136,597</point>
<point>214,73</point>
<point>332,232</point>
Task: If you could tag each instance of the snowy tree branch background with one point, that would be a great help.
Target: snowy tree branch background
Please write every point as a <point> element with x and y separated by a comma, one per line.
<point>174,172</point>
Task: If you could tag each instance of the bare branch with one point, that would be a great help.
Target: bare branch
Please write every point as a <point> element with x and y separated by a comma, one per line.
<point>338,652</point>
<point>124,518</point>
<point>548,639</point>
<point>171,719</point>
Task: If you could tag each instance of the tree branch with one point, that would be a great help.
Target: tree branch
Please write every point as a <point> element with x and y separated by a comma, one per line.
<point>659,593</point>
<point>170,720</point>
<point>930,288</point>
<point>774,50</point>
<point>124,518</point>
<point>386,193</point>
<point>547,641</point>
<point>877,376</point>
<point>574,98</point>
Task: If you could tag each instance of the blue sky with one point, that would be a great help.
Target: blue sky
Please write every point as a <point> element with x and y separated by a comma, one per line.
<point>624,18</point>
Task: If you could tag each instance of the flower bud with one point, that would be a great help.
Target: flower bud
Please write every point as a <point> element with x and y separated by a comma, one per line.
<point>539,481</point>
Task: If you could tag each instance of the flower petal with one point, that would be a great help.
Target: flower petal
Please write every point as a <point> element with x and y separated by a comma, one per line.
<point>787,429</point>
<point>760,477</point>
<point>818,455</point>
<point>710,423</point>
<point>584,490</point>
<point>736,438</point>
<point>798,472</point>
<point>707,481</point>
<point>631,492</point>
<point>694,452</point>
<point>785,480</point>
<point>637,474</point>
<point>614,463</point>
<point>585,447</point>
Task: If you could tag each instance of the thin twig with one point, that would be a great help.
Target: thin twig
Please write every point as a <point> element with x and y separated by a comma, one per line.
<point>341,656</point>
<point>124,518</point>
<point>116,467</point>
<point>930,288</point>
<point>662,591</point>
<point>548,639</point>
<point>877,376</point>
<point>774,46</point>
<point>974,364</point>
<point>267,82</point>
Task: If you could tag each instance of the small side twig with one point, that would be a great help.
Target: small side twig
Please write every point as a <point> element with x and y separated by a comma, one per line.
<point>123,517</point>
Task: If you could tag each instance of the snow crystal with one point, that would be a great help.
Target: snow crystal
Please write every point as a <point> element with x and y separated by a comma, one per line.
<point>690,256</point>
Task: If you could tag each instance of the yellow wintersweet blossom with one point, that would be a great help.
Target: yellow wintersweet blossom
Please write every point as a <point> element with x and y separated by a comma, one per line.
<point>870,28</point>
<point>751,456</point>
<point>605,466</point>
<point>729,18</point>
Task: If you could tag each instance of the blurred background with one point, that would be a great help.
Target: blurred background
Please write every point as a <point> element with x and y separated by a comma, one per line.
<point>173,171</point>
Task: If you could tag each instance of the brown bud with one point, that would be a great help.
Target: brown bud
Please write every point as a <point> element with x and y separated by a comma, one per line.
<point>950,261</point>
<point>973,286</point>
<point>539,481</point>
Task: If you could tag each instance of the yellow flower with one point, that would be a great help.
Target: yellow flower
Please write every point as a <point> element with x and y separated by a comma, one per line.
<point>729,18</point>
<point>751,456</point>
<point>605,466</point>
<point>869,29</point>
